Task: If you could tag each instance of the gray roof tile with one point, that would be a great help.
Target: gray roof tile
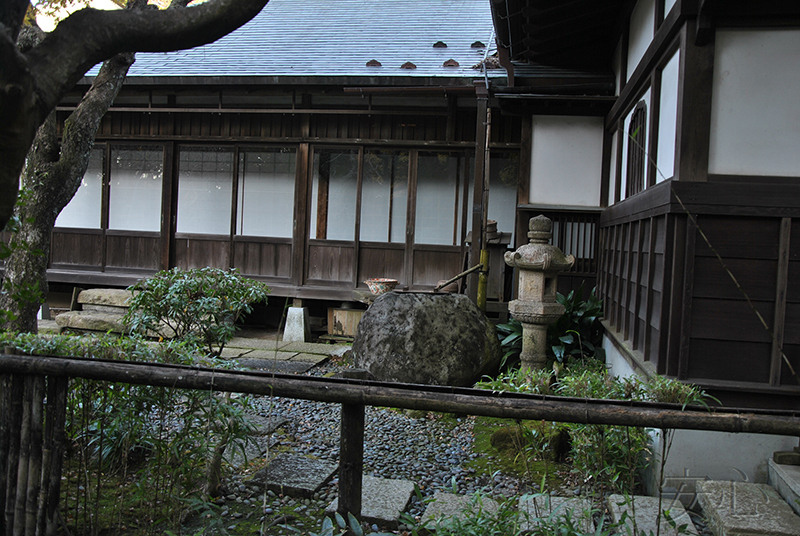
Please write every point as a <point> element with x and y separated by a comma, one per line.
<point>316,38</point>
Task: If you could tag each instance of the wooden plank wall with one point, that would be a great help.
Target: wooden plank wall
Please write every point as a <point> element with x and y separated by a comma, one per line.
<point>725,316</point>
<point>631,281</point>
<point>727,341</point>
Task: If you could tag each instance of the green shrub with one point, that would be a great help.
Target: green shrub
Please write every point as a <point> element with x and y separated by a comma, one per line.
<point>202,304</point>
<point>155,443</point>
<point>610,458</point>
<point>578,333</point>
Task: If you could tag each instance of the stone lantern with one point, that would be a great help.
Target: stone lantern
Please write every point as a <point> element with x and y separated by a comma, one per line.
<point>536,307</point>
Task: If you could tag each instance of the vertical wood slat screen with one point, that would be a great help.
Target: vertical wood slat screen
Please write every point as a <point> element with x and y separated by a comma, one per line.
<point>631,284</point>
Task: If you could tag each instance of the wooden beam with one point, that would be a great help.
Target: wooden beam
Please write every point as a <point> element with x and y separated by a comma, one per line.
<point>443,399</point>
<point>781,286</point>
<point>686,299</point>
<point>696,76</point>
<point>481,142</point>
<point>301,209</point>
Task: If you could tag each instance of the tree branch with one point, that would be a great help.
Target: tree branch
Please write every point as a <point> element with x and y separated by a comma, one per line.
<point>12,14</point>
<point>90,36</point>
<point>31,85</point>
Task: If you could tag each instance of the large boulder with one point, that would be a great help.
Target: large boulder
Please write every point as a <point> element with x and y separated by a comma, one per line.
<point>434,339</point>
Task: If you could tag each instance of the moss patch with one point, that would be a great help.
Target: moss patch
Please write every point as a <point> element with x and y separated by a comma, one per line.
<point>514,449</point>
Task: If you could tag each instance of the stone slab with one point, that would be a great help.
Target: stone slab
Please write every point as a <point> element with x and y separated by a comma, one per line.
<point>382,500</point>
<point>111,309</point>
<point>786,481</point>
<point>105,296</point>
<point>89,321</point>
<point>294,475</point>
<point>646,513</point>
<point>538,508</point>
<point>308,348</point>
<point>282,367</point>
<point>48,327</point>
<point>254,343</point>
<point>240,353</point>
<point>744,508</point>
<point>265,425</point>
<point>309,358</point>
<point>449,505</point>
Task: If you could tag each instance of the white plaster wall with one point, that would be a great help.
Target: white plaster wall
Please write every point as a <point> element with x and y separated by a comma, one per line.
<point>626,140</point>
<point>755,117</point>
<point>566,160</point>
<point>641,32</point>
<point>701,455</point>
<point>667,121</point>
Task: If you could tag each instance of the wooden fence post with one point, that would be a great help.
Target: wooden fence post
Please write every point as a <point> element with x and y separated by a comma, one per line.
<point>351,453</point>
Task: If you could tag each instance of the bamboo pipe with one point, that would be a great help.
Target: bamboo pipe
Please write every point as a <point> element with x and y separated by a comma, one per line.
<point>422,397</point>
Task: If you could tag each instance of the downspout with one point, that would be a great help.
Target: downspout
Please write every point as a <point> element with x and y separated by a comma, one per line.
<point>504,58</point>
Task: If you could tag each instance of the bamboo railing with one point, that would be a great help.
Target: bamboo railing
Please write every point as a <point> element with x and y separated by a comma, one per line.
<point>30,461</point>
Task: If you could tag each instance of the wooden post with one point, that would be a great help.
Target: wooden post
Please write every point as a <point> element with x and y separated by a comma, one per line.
<point>351,453</point>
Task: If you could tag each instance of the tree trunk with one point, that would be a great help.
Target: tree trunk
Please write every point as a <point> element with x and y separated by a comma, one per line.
<point>52,175</point>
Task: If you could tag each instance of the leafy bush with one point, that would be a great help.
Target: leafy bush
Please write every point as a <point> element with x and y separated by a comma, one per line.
<point>510,335</point>
<point>609,457</point>
<point>578,333</point>
<point>155,442</point>
<point>202,304</point>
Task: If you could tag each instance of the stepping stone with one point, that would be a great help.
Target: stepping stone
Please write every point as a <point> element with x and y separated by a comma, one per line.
<point>786,481</point>
<point>743,508</point>
<point>382,500</point>
<point>48,327</point>
<point>543,508</point>
<point>449,505</point>
<point>308,348</point>
<point>91,321</point>
<point>265,425</point>
<point>310,358</point>
<point>235,353</point>
<point>646,509</point>
<point>283,367</point>
<point>297,476</point>
<point>259,344</point>
<point>106,296</point>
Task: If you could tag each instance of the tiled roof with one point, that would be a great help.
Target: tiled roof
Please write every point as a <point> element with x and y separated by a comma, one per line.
<point>336,38</point>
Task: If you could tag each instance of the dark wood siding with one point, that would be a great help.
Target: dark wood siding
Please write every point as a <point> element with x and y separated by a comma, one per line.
<point>330,262</point>
<point>133,250</point>
<point>195,251</point>
<point>381,260</point>
<point>671,298</point>
<point>263,257</point>
<point>435,263</point>
<point>77,248</point>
